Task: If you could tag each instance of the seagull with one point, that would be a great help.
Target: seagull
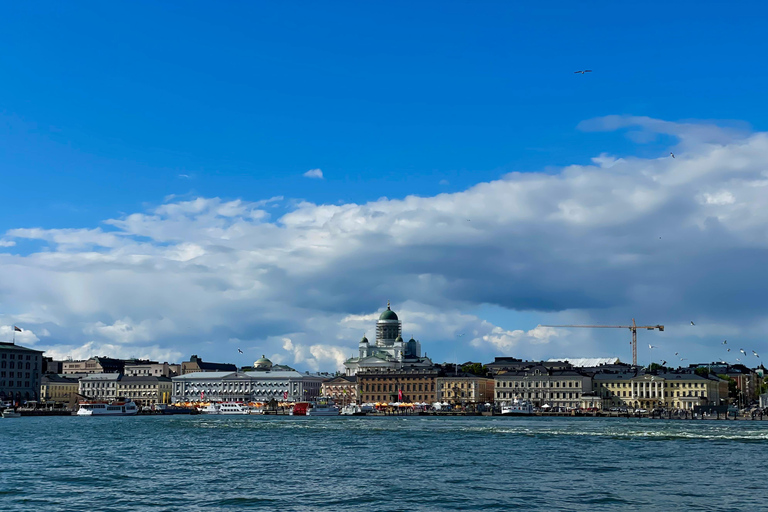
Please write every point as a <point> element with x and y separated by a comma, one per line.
<point>739,360</point>
<point>755,354</point>
<point>727,350</point>
<point>460,335</point>
<point>581,72</point>
<point>652,346</point>
<point>663,363</point>
<point>692,323</point>
<point>742,351</point>
<point>672,154</point>
<point>725,342</point>
<point>240,351</point>
<point>683,358</point>
<point>677,353</point>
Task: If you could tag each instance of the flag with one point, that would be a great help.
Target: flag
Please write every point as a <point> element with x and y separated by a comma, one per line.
<point>285,395</point>
<point>17,329</point>
<point>400,395</point>
<point>201,396</point>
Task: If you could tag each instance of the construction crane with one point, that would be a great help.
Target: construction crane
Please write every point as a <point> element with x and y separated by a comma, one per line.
<point>634,327</point>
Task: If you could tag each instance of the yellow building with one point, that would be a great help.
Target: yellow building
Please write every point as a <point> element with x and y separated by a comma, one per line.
<point>464,388</point>
<point>60,389</point>
<point>145,390</point>
<point>671,390</point>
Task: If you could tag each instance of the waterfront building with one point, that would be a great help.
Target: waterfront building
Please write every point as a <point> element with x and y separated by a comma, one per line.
<point>195,364</point>
<point>389,350</point>
<point>100,364</point>
<point>543,385</point>
<point>342,388</point>
<point>145,389</point>
<point>511,364</point>
<point>59,388</point>
<point>100,386</point>
<point>51,366</point>
<point>464,388</point>
<point>748,381</point>
<point>148,369</point>
<point>412,384</point>
<point>260,385</point>
<point>20,373</point>
<point>764,401</point>
<point>671,390</point>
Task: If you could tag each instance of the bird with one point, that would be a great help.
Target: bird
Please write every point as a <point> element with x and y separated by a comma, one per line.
<point>677,353</point>
<point>460,335</point>
<point>582,71</point>
<point>692,323</point>
<point>755,354</point>
<point>683,358</point>
<point>742,351</point>
<point>240,351</point>
<point>725,342</point>
<point>663,363</point>
<point>739,360</point>
<point>727,350</point>
<point>652,346</point>
<point>672,154</point>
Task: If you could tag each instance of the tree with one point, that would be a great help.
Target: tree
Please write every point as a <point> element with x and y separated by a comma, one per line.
<point>475,369</point>
<point>702,371</point>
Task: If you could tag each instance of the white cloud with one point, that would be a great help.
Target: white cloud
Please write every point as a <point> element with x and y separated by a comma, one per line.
<point>314,173</point>
<point>622,237</point>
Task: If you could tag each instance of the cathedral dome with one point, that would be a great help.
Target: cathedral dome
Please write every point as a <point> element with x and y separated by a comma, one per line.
<point>399,339</point>
<point>364,340</point>
<point>262,364</point>
<point>388,314</point>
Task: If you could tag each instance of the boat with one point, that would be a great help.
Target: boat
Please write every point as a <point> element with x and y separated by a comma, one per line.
<point>114,408</point>
<point>10,413</point>
<point>323,407</point>
<point>352,410</point>
<point>299,409</point>
<point>517,408</point>
<point>229,408</point>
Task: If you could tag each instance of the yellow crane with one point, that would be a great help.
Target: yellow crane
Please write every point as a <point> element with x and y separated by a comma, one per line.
<point>634,327</point>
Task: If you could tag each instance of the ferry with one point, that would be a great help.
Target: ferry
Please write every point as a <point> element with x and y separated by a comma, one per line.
<point>517,408</point>
<point>352,410</point>
<point>231,408</point>
<point>115,408</point>
<point>10,413</point>
<point>323,407</point>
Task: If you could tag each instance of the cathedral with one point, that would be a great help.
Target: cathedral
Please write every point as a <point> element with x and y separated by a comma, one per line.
<point>389,351</point>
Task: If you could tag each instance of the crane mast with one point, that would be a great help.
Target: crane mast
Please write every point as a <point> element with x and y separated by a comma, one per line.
<point>633,328</point>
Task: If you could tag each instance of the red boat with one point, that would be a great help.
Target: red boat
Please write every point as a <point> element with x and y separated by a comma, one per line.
<point>300,409</point>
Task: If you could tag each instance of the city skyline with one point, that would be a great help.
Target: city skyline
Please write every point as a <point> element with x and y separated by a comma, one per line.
<point>235,183</point>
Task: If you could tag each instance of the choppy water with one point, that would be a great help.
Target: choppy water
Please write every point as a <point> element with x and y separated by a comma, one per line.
<point>380,464</point>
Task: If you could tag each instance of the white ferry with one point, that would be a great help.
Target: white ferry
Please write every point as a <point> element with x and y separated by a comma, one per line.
<point>517,408</point>
<point>351,410</point>
<point>225,408</point>
<point>125,408</point>
<point>323,407</point>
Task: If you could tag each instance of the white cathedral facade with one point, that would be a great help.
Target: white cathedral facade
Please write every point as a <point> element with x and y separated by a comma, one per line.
<point>389,351</point>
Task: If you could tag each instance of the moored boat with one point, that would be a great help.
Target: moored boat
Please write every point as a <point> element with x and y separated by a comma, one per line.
<point>323,407</point>
<point>10,413</point>
<point>517,408</point>
<point>114,408</point>
<point>228,408</point>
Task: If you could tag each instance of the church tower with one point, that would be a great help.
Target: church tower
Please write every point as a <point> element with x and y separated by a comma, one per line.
<point>388,328</point>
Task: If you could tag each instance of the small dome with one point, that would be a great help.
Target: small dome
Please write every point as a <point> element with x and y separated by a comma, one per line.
<point>388,314</point>
<point>411,340</point>
<point>399,339</point>
<point>364,340</point>
<point>263,363</point>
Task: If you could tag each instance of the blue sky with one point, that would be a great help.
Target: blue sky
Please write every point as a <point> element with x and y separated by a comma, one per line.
<point>109,110</point>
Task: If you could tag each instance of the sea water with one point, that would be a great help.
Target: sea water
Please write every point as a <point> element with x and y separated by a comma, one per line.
<point>196,463</point>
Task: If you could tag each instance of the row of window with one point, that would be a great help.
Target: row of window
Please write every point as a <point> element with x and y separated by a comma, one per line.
<point>504,394</point>
<point>12,365</point>
<point>10,384</point>
<point>667,394</point>
<point>13,356</point>
<point>18,374</point>
<point>538,384</point>
<point>391,387</point>
<point>406,398</point>
<point>662,383</point>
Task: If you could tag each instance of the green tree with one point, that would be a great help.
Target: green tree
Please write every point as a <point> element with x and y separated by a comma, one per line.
<point>475,369</point>
<point>702,371</point>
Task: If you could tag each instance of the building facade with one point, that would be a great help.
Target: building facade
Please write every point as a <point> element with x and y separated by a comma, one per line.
<point>260,385</point>
<point>100,386</point>
<point>59,389</point>
<point>148,369</point>
<point>543,386</point>
<point>93,365</point>
<point>389,350</point>
<point>145,389</point>
<point>464,388</point>
<point>343,389</point>
<point>20,373</point>
<point>670,390</point>
<point>398,385</point>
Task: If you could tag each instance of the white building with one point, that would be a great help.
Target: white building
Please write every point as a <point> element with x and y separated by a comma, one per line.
<point>389,350</point>
<point>260,385</point>
<point>100,386</point>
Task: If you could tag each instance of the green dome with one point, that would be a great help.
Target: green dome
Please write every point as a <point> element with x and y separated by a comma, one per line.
<point>262,363</point>
<point>388,314</point>
<point>364,340</point>
<point>399,339</point>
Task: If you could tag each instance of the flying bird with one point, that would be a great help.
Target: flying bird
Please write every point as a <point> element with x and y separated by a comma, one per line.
<point>583,71</point>
<point>692,323</point>
<point>677,353</point>
<point>663,363</point>
<point>755,354</point>
<point>460,335</point>
<point>739,360</point>
<point>727,350</point>
<point>672,154</point>
<point>683,358</point>
<point>725,342</point>
<point>742,351</point>
<point>652,346</point>
<point>240,351</point>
